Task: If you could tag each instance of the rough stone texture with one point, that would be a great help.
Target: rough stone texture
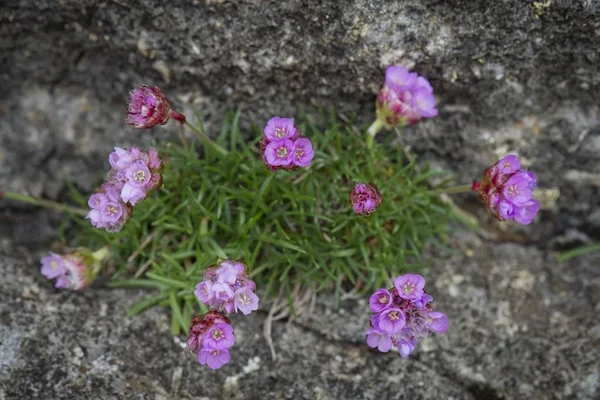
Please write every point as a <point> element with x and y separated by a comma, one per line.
<point>509,75</point>
<point>522,326</point>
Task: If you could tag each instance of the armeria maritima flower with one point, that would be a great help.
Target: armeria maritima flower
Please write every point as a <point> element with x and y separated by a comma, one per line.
<point>228,287</point>
<point>75,270</point>
<point>148,107</point>
<point>210,336</point>
<point>108,211</point>
<point>405,98</point>
<point>135,172</point>
<point>282,146</point>
<point>365,199</point>
<point>507,191</point>
<point>402,315</point>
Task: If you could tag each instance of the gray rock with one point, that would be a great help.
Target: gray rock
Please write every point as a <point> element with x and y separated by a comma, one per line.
<point>521,326</point>
<point>510,77</point>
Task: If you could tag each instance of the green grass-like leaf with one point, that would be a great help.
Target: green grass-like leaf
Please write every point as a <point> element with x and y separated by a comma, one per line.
<point>291,227</point>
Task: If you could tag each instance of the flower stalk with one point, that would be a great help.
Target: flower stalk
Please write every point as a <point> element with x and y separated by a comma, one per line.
<point>23,198</point>
<point>206,139</point>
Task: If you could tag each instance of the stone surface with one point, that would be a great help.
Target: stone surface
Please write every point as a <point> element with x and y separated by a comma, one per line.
<point>521,326</point>
<point>510,76</point>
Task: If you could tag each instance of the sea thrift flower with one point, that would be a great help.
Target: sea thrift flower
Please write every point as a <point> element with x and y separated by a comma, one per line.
<point>507,191</point>
<point>280,128</point>
<point>408,317</point>
<point>280,153</point>
<point>365,199</point>
<point>405,98</point>
<point>135,172</point>
<point>303,152</point>
<point>75,270</point>
<point>108,211</point>
<point>210,336</point>
<point>227,287</point>
<point>148,107</point>
<point>282,147</point>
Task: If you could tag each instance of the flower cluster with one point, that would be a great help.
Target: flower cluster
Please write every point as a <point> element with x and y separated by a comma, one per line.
<point>75,270</point>
<point>210,336</point>
<point>134,173</point>
<point>227,287</point>
<point>283,147</point>
<point>405,98</point>
<point>402,315</point>
<point>148,107</point>
<point>365,199</point>
<point>507,191</point>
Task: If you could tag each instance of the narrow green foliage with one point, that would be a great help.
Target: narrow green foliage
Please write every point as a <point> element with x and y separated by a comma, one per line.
<point>291,227</point>
<point>579,251</point>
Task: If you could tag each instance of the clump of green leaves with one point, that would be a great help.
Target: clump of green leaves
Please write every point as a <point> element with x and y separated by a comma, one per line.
<point>290,227</point>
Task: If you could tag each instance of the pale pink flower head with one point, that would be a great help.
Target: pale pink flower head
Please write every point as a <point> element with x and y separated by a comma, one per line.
<point>75,270</point>
<point>227,286</point>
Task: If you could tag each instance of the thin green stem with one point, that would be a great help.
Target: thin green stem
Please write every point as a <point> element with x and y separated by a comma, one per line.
<point>44,203</point>
<point>451,190</point>
<point>206,139</point>
<point>375,127</point>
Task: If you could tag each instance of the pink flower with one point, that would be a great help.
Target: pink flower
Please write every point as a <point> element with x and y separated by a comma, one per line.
<point>303,152</point>
<point>280,128</point>
<point>214,358</point>
<point>280,153</point>
<point>147,107</point>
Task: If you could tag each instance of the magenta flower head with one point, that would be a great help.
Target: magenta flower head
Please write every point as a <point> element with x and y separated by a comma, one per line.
<point>365,199</point>
<point>408,317</point>
<point>108,211</point>
<point>135,172</point>
<point>209,337</point>
<point>282,147</point>
<point>405,98</point>
<point>148,107</point>
<point>75,270</point>
<point>507,191</point>
<point>227,286</point>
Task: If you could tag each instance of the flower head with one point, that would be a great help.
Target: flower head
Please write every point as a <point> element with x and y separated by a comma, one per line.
<point>75,270</point>
<point>147,107</point>
<point>282,147</point>
<point>507,191</point>
<point>405,98</point>
<point>210,336</point>
<point>135,172</point>
<point>408,317</point>
<point>365,199</point>
<point>227,286</point>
